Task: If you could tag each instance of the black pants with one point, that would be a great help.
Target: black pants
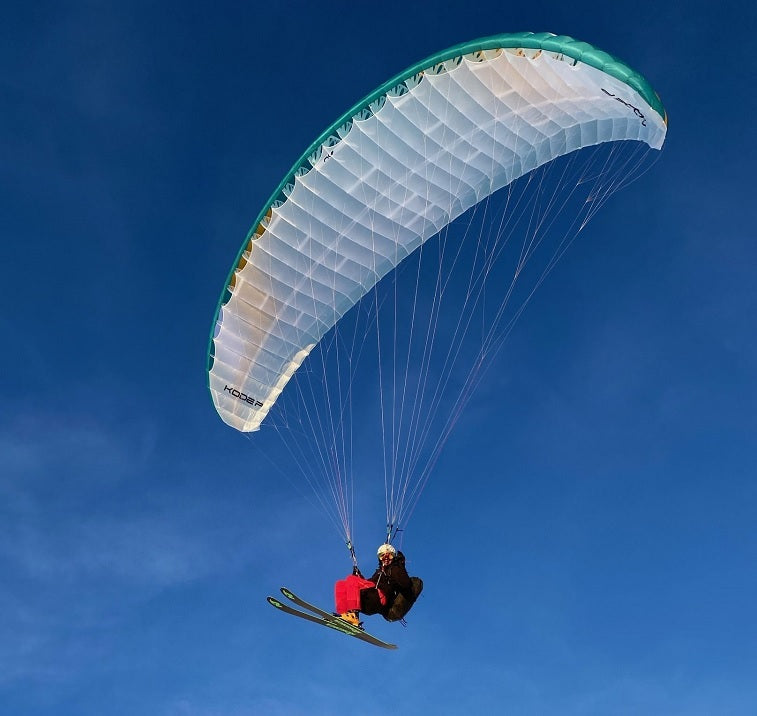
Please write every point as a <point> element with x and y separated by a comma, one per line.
<point>401,606</point>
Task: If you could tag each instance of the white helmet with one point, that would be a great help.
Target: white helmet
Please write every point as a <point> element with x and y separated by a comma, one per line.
<point>384,548</point>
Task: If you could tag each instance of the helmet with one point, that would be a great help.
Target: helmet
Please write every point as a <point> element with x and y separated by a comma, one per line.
<point>384,548</point>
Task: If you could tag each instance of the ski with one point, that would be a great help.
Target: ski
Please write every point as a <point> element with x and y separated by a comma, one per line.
<point>320,616</point>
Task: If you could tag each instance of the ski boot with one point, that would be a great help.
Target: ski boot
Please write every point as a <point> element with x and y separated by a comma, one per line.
<point>352,617</point>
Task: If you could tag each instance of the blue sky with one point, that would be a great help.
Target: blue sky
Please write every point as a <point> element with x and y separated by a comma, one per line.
<point>588,540</point>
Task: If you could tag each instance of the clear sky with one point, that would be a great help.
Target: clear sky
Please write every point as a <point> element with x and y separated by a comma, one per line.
<point>588,539</point>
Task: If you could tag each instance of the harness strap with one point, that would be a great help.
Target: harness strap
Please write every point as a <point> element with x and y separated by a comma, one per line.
<point>352,553</point>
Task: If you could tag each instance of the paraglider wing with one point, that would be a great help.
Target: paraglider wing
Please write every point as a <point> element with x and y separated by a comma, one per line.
<point>390,174</point>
